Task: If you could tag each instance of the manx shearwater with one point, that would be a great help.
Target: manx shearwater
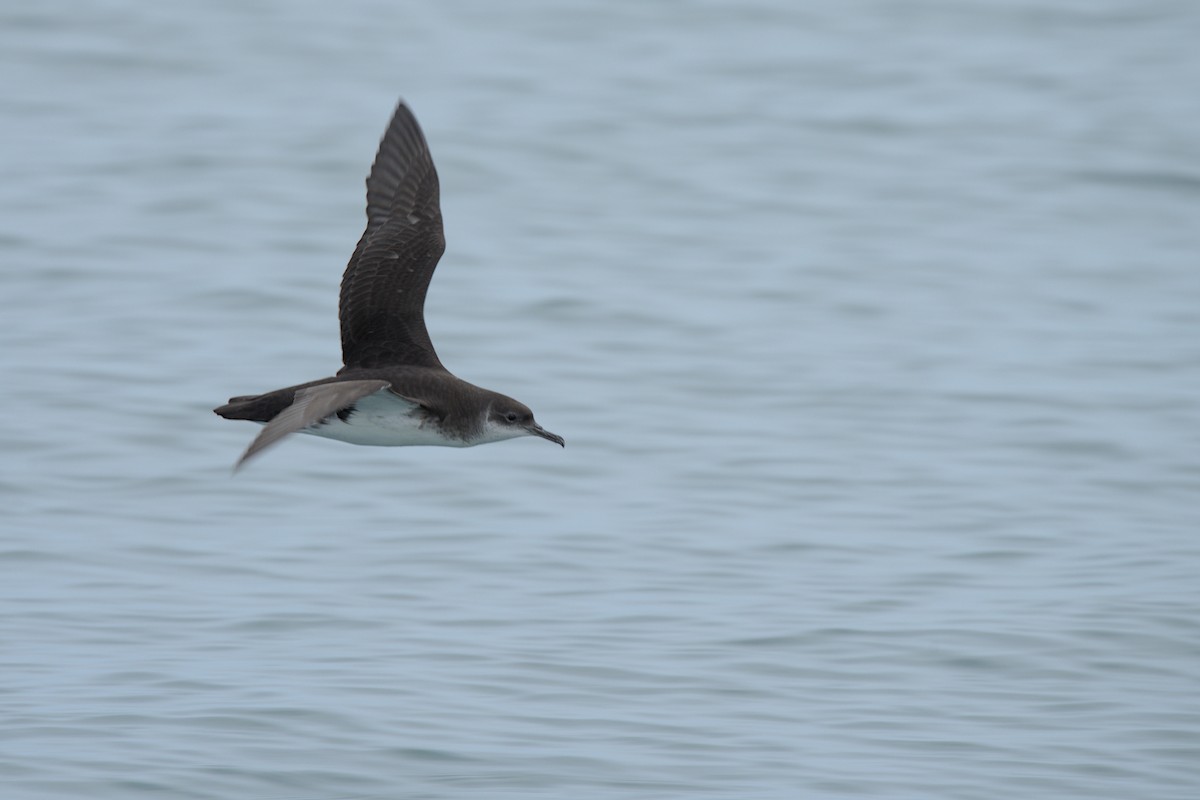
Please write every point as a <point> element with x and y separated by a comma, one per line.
<point>392,389</point>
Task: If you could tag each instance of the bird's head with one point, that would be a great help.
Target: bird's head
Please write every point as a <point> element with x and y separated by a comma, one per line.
<point>508,419</point>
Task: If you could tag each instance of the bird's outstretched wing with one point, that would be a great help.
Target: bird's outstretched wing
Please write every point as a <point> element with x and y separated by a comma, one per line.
<point>382,304</point>
<point>310,405</point>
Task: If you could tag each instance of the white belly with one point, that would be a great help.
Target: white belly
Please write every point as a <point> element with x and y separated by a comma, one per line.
<point>384,420</point>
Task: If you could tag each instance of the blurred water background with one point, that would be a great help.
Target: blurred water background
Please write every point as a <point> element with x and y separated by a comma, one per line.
<point>873,328</point>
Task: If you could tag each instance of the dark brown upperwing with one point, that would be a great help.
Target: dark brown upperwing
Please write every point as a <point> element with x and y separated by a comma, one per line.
<point>382,304</point>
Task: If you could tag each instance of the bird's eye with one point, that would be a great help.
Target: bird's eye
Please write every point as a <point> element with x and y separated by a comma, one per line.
<point>511,416</point>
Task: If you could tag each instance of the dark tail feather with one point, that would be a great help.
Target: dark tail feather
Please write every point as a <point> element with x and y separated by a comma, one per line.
<point>256,407</point>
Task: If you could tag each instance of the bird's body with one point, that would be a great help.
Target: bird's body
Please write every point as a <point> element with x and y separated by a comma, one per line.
<point>393,389</point>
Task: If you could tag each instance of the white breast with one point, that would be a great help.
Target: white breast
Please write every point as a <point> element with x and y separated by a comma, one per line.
<point>386,420</point>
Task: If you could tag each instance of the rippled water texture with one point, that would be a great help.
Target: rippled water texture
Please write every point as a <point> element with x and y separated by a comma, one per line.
<point>872,328</point>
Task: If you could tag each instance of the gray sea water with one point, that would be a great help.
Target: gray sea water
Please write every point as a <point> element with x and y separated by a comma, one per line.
<point>873,328</point>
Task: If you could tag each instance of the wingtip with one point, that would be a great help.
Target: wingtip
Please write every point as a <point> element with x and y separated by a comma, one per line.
<point>241,462</point>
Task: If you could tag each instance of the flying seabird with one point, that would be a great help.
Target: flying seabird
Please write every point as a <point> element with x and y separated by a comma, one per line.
<point>392,389</point>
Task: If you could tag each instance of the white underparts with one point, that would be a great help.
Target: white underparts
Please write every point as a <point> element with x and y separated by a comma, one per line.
<point>384,419</point>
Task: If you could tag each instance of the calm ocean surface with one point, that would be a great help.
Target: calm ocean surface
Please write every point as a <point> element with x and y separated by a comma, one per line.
<point>873,329</point>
